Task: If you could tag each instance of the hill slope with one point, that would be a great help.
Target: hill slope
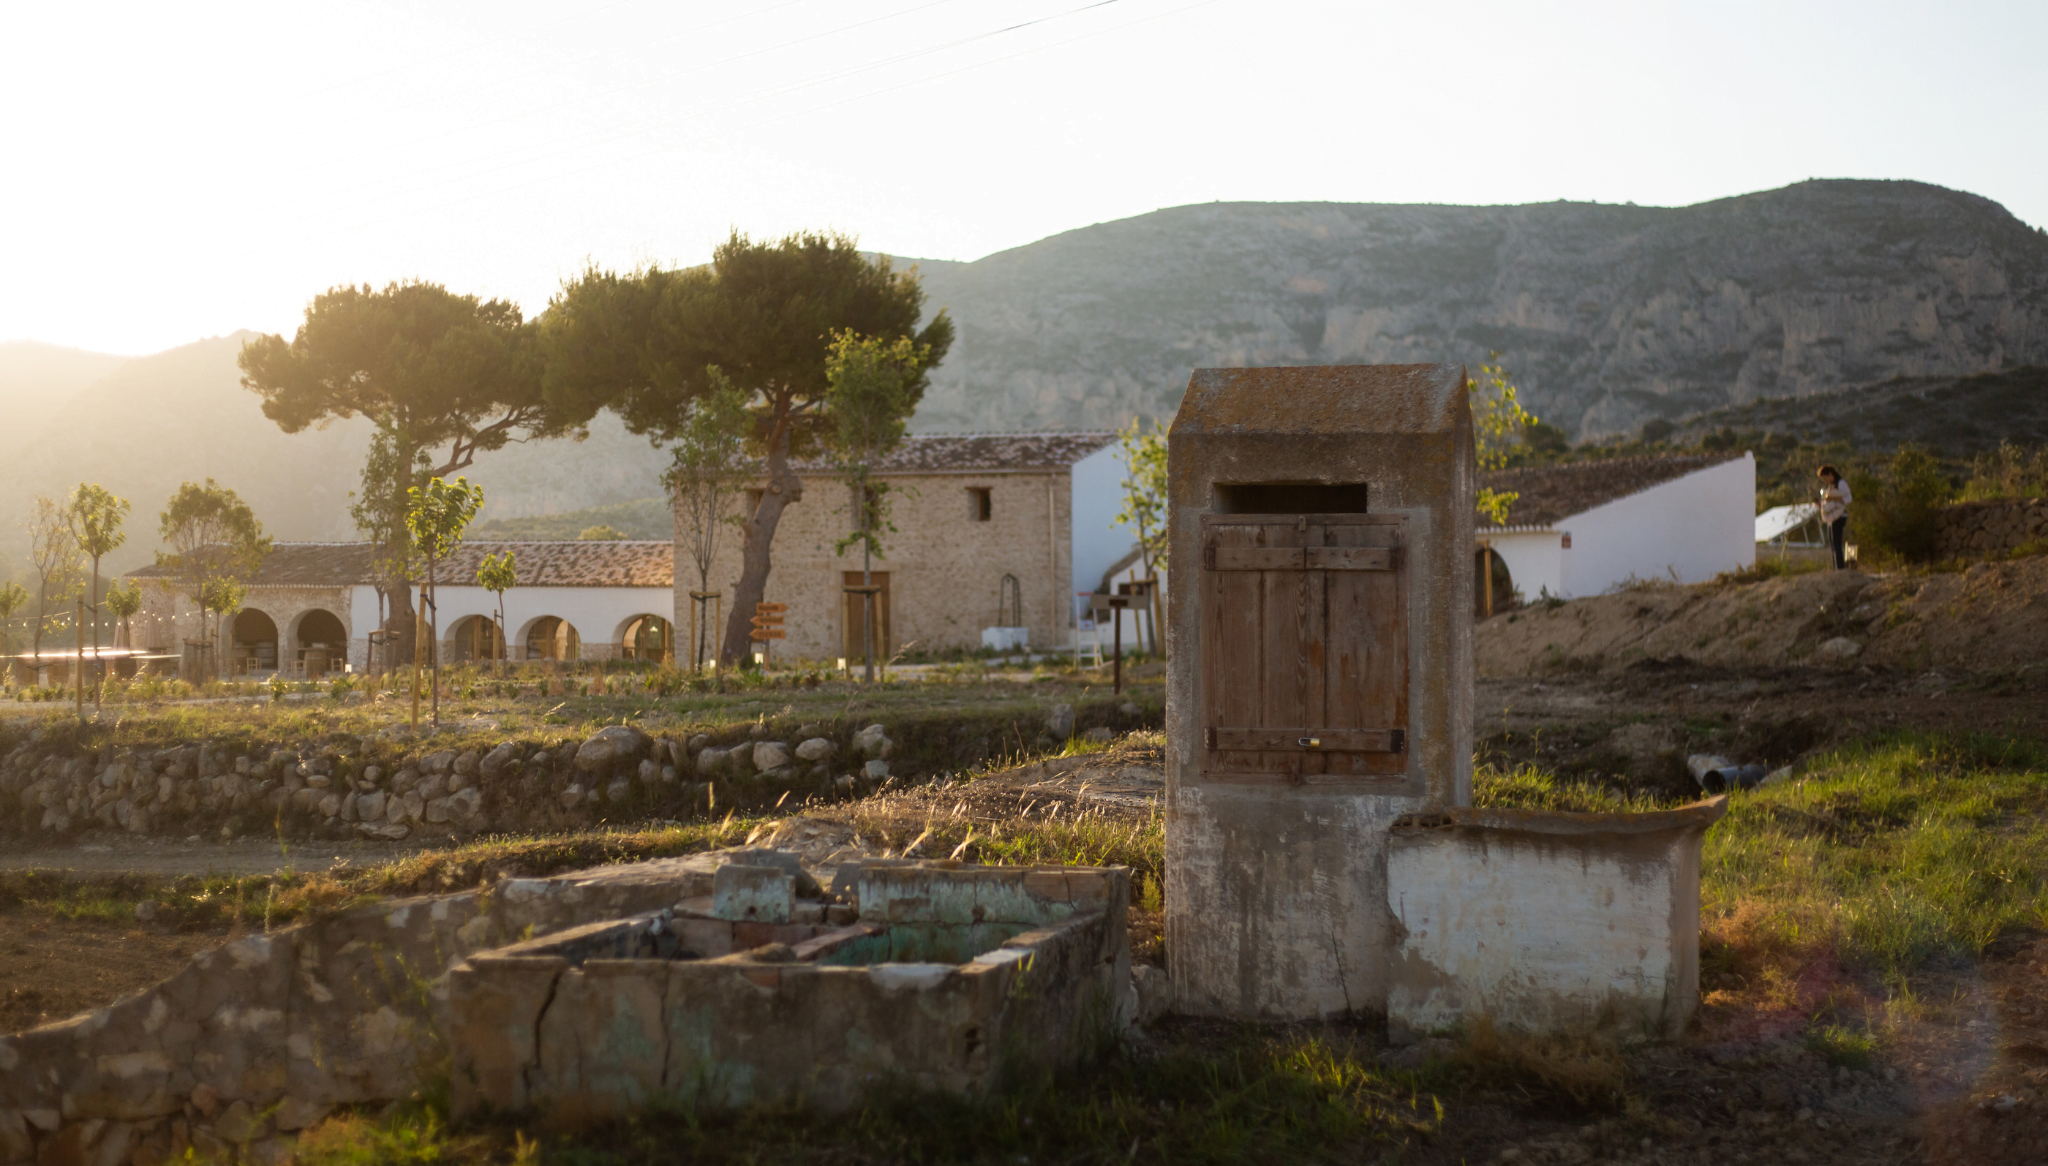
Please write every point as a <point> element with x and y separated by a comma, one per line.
<point>1607,315</point>
<point>36,379</point>
<point>182,415</point>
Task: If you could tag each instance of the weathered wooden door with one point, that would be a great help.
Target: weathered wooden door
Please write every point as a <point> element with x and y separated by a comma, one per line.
<point>1304,647</point>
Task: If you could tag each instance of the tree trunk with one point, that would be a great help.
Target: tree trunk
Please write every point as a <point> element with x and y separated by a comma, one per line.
<point>399,622</point>
<point>784,488</point>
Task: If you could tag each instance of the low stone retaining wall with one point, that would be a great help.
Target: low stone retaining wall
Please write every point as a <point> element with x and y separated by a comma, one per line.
<point>263,1036</point>
<point>1547,922</point>
<point>392,788</point>
<point>1988,528</point>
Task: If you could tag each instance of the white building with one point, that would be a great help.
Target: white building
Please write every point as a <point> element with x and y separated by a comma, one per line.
<point>312,607</point>
<point>1583,528</point>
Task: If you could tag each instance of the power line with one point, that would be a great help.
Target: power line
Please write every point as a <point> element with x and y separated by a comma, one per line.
<point>576,142</point>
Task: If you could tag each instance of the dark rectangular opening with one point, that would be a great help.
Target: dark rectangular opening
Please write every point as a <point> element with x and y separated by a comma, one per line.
<point>1290,498</point>
<point>981,504</point>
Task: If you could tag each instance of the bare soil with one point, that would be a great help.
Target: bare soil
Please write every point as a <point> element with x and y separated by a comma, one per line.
<point>54,968</point>
<point>1992,617</point>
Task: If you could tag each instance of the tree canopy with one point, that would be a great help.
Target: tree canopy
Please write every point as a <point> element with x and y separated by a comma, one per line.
<point>760,317</point>
<point>215,543</point>
<point>444,377</point>
<point>95,516</point>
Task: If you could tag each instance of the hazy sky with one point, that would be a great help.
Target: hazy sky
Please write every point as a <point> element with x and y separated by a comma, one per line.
<point>175,171</point>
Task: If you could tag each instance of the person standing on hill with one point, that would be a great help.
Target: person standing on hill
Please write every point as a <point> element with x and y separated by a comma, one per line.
<point>1834,512</point>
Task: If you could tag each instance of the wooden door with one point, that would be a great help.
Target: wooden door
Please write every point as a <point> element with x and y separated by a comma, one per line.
<point>855,640</point>
<point>1304,647</point>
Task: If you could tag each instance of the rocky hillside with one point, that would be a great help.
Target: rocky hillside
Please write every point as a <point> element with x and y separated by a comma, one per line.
<point>1607,315</point>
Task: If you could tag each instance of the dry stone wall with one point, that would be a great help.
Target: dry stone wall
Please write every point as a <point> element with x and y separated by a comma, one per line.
<point>1975,529</point>
<point>262,1037</point>
<point>392,788</point>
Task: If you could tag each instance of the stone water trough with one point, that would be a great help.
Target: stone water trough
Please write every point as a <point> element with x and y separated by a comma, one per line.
<point>718,978</point>
<point>949,977</point>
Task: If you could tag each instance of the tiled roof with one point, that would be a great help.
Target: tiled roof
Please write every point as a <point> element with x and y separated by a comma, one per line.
<point>1550,494</point>
<point>607,563</point>
<point>983,452</point>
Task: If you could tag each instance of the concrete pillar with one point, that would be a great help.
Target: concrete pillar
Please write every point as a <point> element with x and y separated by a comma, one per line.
<point>1320,672</point>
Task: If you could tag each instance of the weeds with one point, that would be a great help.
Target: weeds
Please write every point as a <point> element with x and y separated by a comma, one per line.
<point>1893,852</point>
<point>1238,1095</point>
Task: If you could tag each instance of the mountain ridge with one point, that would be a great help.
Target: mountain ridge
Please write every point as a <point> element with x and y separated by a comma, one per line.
<point>1806,288</point>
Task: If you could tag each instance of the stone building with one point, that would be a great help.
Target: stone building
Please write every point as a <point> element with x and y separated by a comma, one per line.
<point>312,607</point>
<point>992,531</point>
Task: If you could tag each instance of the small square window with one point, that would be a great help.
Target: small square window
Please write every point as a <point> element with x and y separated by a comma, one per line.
<point>980,503</point>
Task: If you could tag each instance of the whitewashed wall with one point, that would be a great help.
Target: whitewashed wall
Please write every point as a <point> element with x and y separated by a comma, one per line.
<point>1534,558</point>
<point>1694,527</point>
<point>599,614</point>
<point>1098,495</point>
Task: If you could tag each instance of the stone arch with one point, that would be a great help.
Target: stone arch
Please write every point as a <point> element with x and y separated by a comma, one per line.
<point>319,642</point>
<point>550,637</point>
<point>253,642</point>
<point>474,637</point>
<point>646,637</point>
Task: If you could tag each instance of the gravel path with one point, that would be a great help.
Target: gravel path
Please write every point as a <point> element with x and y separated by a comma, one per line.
<point>242,856</point>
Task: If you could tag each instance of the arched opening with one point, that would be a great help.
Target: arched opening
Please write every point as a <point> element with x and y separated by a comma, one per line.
<point>323,643</point>
<point>647,637</point>
<point>1503,583</point>
<point>255,643</point>
<point>475,637</point>
<point>551,638</point>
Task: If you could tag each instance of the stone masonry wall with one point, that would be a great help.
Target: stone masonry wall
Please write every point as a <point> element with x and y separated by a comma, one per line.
<point>1989,528</point>
<point>265,1035</point>
<point>391,788</point>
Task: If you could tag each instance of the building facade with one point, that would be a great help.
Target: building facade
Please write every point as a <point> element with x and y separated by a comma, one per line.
<point>1583,528</point>
<point>991,531</point>
<point>313,607</point>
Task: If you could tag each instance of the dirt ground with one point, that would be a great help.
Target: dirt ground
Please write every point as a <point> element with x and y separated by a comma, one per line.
<point>1963,1080</point>
<point>1991,617</point>
<point>54,968</point>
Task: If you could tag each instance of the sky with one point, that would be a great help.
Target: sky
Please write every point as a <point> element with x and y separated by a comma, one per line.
<point>180,171</point>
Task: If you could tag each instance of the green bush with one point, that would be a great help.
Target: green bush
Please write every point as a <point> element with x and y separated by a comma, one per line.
<point>1896,511</point>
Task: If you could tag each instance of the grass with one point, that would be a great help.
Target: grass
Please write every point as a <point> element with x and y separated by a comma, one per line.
<point>1889,853</point>
<point>1203,1095</point>
<point>215,902</point>
<point>1831,894</point>
<point>959,720</point>
<point>1522,786</point>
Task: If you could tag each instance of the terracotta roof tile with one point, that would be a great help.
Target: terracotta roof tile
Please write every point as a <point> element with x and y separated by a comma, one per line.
<point>1551,494</point>
<point>981,452</point>
<point>615,563</point>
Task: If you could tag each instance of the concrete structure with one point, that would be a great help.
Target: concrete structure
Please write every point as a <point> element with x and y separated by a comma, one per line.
<point>952,977</point>
<point>312,607</point>
<point>1584,527</point>
<point>1321,855</point>
<point>1547,921</point>
<point>985,524</point>
<point>1276,861</point>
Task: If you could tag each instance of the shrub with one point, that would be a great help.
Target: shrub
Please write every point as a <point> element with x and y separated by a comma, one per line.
<point>1896,514</point>
<point>2007,472</point>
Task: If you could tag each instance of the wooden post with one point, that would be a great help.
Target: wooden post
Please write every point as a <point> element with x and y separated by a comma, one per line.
<point>78,673</point>
<point>419,635</point>
<point>1489,580</point>
<point>1117,605</point>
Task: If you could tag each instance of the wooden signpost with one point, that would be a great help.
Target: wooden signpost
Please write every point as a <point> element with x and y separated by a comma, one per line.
<point>767,623</point>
